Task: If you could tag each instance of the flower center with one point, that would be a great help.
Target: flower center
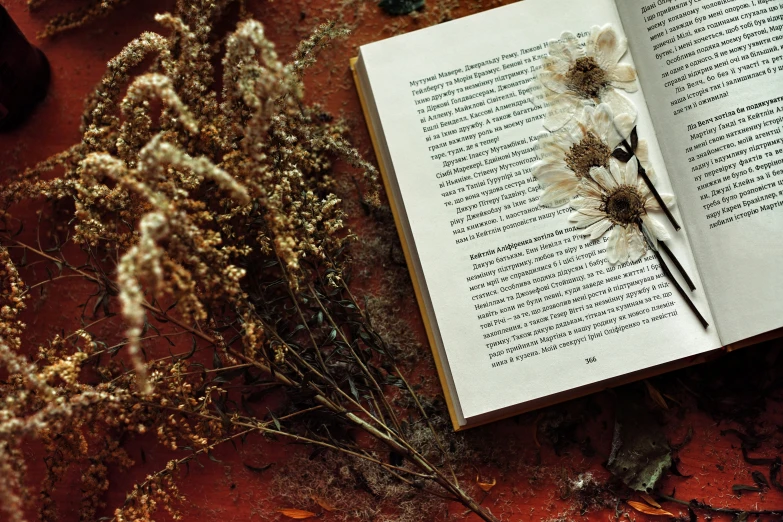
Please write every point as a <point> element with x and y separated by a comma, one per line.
<point>586,77</point>
<point>624,205</point>
<point>590,152</point>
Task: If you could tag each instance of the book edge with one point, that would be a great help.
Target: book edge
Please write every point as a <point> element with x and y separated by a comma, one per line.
<point>406,251</point>
<point>565,395</point>
<point>627,378</point>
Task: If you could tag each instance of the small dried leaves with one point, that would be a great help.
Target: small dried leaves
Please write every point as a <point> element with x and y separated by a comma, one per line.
<point>296,514</point>
<point>649,510</point>
<point>760,479</point>
<point>485,485</point>
<point>325,505</point>
<point>640,453</point>
<point>258,469</point>
<point>656,396</point>
<point>647,498</point>
<point>401,7</point>
<point>740,488</point>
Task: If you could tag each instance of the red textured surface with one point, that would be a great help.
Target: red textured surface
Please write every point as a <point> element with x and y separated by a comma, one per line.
<point>529,477</point>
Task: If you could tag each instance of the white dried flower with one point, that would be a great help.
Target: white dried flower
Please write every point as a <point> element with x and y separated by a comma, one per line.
<point>618,200</point>
<point>574,75</point>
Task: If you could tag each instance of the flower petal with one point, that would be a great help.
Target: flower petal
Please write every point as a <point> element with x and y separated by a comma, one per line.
<point>585,218</point>
<point>558,194</point>
<point>549,172</point>
<point>545,140</point>
<point>652,204</point>
<point>618,172</point>
<point>631,172</point>
<point>602,120</point>
<point>622,245</point>
<point>589,189</point>
<point>608,46</point>
<point>655,228</point>
<point>651,174</point>
<point>561,110</point>
<point>643,153</point>
<point>555,64</point>
<point>637,247</point>
<point>604,179</point>
<point>559,50</point>
<point>625,86</point>
<point>553,81</point>
<point>619,103</point>
<point>598,229</point>
<point>571,46</point>
<point>562,141</point>
<point>553,150</point>
<point>585,203</point>
<point>617,247</point>
<point>624,124</point>
<point>624,72</point>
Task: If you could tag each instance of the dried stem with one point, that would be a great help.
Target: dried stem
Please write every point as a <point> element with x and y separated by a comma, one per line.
<point>203,210</point>
<point>654,244</point>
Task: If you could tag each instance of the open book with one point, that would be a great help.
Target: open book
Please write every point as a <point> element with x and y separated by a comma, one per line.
<point>521,309</point>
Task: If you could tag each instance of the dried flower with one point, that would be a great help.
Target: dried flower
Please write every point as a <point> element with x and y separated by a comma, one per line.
<point>209,218</point>
<point>568,154</point>
<point>618,199</point>
<point>574,75</point>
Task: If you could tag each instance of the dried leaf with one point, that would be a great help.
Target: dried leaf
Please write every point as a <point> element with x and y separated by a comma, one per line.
<point>656,396</point>
<point>647,498</point>
<point>755,461</point>
<point>649,510</point>
<point>739,488</point>
<point>760,479</point>
<point>258,469</point>
<point>354,390</point>
<point>400,7</point>
<point>297,514</point>
<point>672,399</point>
<point>323,503</point>
<point>486,486</point>
<point>640,452</point>
<point>774,471</point>
<point>213,458</point>
<point>274,419</point>
<point>622,154</point>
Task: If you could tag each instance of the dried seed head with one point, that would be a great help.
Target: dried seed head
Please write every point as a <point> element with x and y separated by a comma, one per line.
<point>624,205</point>
<point>586,154</point>
<point>586,77</point>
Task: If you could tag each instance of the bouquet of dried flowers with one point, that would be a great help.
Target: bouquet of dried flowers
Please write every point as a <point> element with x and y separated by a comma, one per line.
<point>591,156</point>
<point>201,208</point>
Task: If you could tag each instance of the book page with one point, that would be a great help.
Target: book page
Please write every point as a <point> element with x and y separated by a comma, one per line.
<point>712,72</point>
<point>526,307</point>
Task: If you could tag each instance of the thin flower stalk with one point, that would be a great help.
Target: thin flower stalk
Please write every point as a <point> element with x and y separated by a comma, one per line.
<point>629,150</point>
<point>654,245</point>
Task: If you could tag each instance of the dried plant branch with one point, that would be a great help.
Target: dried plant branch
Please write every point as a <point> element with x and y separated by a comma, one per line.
<point>95,9</point>
<point>207,217</point>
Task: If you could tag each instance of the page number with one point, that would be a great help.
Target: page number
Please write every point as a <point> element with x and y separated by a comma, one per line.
<point>590,360</point>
